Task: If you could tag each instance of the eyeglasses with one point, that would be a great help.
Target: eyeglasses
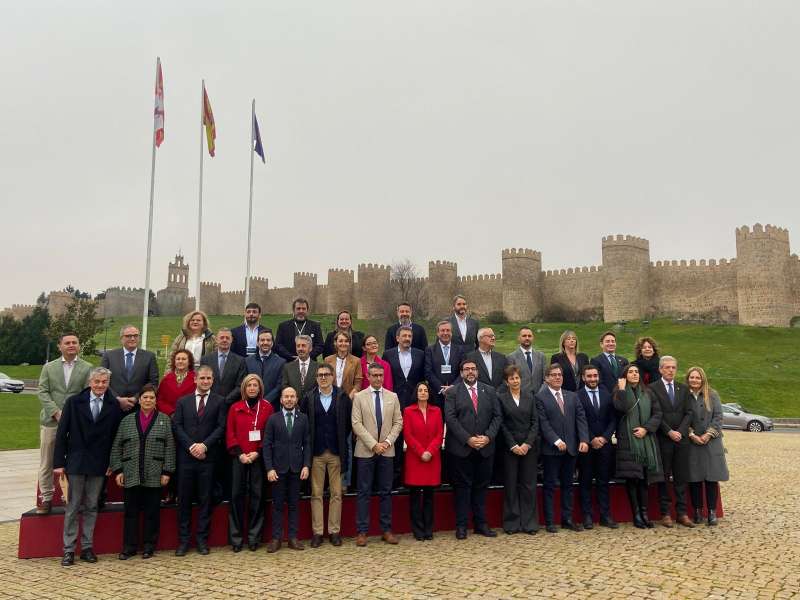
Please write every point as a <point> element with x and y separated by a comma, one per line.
<point>131,335</point>
<point>324,375</point>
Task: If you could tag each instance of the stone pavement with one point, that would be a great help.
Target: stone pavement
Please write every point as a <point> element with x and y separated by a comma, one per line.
<point>18,472</point>
<point>753,553</point>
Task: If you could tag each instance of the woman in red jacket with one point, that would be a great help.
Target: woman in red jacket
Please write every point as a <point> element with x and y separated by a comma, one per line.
<point>423,430</point>
<point>177,383</point>
<point>244,437</point>
<point>371,350</point>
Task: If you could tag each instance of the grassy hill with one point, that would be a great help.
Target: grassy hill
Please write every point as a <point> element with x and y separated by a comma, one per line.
<point>758,367</point>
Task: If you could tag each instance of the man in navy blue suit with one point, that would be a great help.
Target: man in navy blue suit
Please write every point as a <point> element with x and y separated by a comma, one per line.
<point>608,364</point>
<point>245,336</point>
<point>597,464</point>
<point>269,366</point>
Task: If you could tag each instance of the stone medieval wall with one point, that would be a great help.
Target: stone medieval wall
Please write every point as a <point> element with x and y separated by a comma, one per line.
<point>573,294</point>
<point>703,290</point>
<point>484,293</point>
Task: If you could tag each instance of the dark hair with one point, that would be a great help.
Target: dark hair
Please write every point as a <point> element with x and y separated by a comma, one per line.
<point>187,353</point>
<point>345,334</point>
<point>404,303</point>
<point>552,367</point>
<point>375,365</point>
<point>588,367</point>
<point>366,338</point>
<point>343,312</point>
<point>606,334</point>
<point>467,361</point>
<point>300,300</point>
<point>509,371</point>
<point>624,374</point>
<point>147,387</point>
<point>404,328</point>
<point>266,330</point>
<point>637,349</point>
<point>325,366</point>
<point>66,333</point>
<point>420,384</point>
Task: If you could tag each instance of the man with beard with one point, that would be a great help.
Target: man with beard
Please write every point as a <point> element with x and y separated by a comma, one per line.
<point>245,336</point>
<point>296,326</point>
<point>419,338</point>
<point>465,329</point>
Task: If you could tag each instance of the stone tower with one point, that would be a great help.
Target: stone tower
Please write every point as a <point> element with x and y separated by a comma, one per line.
<point>341,290</point>
<point>626,278</point>
<point>211,297</point>
<point>522,284</point>
<point>762,278</point>
<point>305,286</point>
<point>442,286</point>
<point>373,291</point>
<point>171,299</point>
<point>178,274</point>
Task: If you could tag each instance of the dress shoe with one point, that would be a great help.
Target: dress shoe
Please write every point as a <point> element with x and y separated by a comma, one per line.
<point>236,547</point>
<point>587,522</point>
<point>685,521</point>
<point>126,555</point>
<point>88,556</point>
<point>253,546</point>
<point>698,517</point>
<point>361,540</point>
<point>336,539</point>
<point>68,560</point>
<point>645,519</point>
<point>510,531</point>
<point>316,541</point>
<point>147,554</point>
<point>296,544</point>
<point>273,546</point>
<point>551,528</point>
<point>530,531</point>
<point>390,538</point>
<point>419,538</point>
<point>429,537</point>
<point>667,521</point>
<point>485,531</point>
<point>44,508</point>
<point>461,533</point>
<point>202,549</point>
<point>182,550</point>
<point>637,521</point>
<point>608,522</point>
<point>712,518</point>
<point>571,525</point>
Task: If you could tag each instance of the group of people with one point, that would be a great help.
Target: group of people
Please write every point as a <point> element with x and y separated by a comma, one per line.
<point>243,409</point>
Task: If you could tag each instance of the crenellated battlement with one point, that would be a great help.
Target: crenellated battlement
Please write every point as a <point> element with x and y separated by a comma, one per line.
<point>626,241</point>
<point>210,284</point>
<point>572,271</point>
<point>484,277</point>
<point>758,231</point>
<point>341,271</point>
<point>442,264</point>
<point>364,267</point>
<point>304,275</point>
<point>722,263</point>
<point>521,253</point>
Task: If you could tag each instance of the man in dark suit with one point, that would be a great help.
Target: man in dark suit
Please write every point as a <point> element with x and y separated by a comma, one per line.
<point>673,439</point>
<point>199,424</point>
<point>442,359</point>
<point>490,363</point>
<point>300,324</point>
<point>269,366</point>
<point>419,339</point>
<point>287,460</point>
<point>598,462</point>
<point>465,329</point>
<point>344,322</point>
<point>608,363</point>
<point>473,419</point>
<point>228,368</point>
<point>564,435</point>
<point>301,373</point>
<point>86,430</point>
<point>130,366</point>
<point>530,361</point>
<point>245,336</point>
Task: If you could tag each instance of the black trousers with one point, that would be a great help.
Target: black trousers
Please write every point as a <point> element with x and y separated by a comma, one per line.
<point>378,469</point>
<point>558,471</point>
<point>285,491</point>
<point>712,494</point>
<point>247,487</point>
<point>146,501</point>
<point>420,503</point>
<point>672,454</point>
<point>195,479</point>
<point>596,465</point>
<point>470,476</point>
<point>520,512</point>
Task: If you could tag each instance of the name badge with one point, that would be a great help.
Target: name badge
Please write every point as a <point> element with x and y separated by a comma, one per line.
<point>447,369</point>
<point>255,436</point>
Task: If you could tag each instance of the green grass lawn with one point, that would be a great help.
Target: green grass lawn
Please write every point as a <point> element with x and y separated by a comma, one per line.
<point>19,421</point>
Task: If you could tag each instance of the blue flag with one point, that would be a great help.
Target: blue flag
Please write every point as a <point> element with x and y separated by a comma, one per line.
<point>257,135</point>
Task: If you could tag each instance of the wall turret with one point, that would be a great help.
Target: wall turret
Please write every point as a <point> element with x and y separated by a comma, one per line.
<point>522,284</point>
<point>341,290</point>
<point>373,291</point>
<point>762,275</point>
<point>305,286</point>
<point>441,287</point>
<point>626,285</point>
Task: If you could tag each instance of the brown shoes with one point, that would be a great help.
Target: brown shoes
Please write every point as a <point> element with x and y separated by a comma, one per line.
<point>44,507</point>
<point>273,546</point>
<point>361,540</point>
<point>667,521</point>
<point>296,544</point>
<point>685,521</point>
<point>390,538</point>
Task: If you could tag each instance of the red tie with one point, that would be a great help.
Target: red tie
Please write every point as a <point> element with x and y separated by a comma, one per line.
<point>474,395</point>
<point>201,408</point>
<point>560,402</point>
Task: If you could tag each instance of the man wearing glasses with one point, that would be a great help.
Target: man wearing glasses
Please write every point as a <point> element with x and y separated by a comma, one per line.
<point>131,367</point>
<point>490,364</point>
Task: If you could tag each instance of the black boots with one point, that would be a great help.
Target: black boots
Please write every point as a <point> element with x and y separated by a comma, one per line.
<point>641,488</point>
<point>630,487</point>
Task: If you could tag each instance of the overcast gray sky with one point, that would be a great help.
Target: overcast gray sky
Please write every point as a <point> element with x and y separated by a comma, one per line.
<point>410,129</point>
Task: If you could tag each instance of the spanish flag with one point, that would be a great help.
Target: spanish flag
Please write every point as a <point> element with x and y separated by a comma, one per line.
<point>208,122</point>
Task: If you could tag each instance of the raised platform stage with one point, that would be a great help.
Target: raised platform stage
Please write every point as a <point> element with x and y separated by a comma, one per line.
<point>40,535</point>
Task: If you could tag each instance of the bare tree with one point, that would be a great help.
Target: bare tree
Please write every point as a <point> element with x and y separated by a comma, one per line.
<point>407,285</point>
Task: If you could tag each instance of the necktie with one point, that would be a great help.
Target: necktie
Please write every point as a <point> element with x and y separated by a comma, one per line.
<point>671,394</point>
<point>474,395</point>
<point>529,360</point>
<point>128,364</point>
<point>595,401</point>
<point>446,353</point>
<point>613,360</point>
<point>560,401</point>
<point>222,359</point>
<point>303,372</point>
<point>201,408</point>
<point>289,422</point>
<point>95,408</point>
<point>378,411</point>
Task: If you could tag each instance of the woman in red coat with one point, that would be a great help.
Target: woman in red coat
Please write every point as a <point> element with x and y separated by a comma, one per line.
<point>423,430</point>
<point>177,383</point>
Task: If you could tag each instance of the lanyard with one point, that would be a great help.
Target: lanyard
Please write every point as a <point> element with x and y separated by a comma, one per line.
<point>258,408</point>
<point>300,330</point>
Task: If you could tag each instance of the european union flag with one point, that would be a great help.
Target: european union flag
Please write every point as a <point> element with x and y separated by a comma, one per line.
<point>257,137</point>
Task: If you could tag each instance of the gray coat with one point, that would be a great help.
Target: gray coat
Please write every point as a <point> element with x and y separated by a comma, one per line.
<point>532,379</point>
<point>707,462</point>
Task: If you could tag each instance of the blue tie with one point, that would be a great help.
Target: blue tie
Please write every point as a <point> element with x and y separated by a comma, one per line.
<point>446,354</point>
<point>129,364</point>
<point>529,360</point>
<point>671,394</point>
<point>95,408</point>
<point>378,415</point>
<point>222,359</point>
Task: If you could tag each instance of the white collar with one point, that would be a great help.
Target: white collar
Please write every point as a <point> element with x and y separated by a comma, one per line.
<point>554,392</point>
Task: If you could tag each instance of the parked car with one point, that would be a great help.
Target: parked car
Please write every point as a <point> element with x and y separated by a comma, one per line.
<point>10,385</point>
<point>735,417</point>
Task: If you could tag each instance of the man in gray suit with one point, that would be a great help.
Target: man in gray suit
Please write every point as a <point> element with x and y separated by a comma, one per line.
<point>530,361</point>
<point>131,367</point>
<point>465,329</point>
<point>60,378</point>
<point>301,373</point>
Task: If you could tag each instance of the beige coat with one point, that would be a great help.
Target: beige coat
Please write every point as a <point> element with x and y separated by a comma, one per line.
<point>352,376</point>
<point>366,427</point>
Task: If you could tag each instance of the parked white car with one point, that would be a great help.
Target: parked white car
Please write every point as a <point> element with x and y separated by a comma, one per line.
<point>10,385</point>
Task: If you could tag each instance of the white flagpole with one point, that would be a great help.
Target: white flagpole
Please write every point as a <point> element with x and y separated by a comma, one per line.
<point>200,199</point>
<point>146,310</point>
<point>250,213</point>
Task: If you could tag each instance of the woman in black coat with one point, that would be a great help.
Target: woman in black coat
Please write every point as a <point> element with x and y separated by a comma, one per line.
<point>647,357</point>
<point>638,461</point>
<point>571,361</point>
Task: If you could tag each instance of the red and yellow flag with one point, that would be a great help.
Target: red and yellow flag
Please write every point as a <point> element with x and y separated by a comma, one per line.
<point>208,122</point>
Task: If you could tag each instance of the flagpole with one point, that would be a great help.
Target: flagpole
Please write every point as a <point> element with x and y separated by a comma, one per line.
<point>200,199</point>
<point>250,211</point>
<point>146,310</point>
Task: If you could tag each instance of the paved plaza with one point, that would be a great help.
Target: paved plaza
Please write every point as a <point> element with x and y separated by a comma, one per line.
<point>753,553</point>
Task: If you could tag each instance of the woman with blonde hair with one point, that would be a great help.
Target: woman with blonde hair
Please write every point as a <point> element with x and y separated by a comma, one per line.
<point>707,465</point>
<point>571,361</point>
<point>195,336</point>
